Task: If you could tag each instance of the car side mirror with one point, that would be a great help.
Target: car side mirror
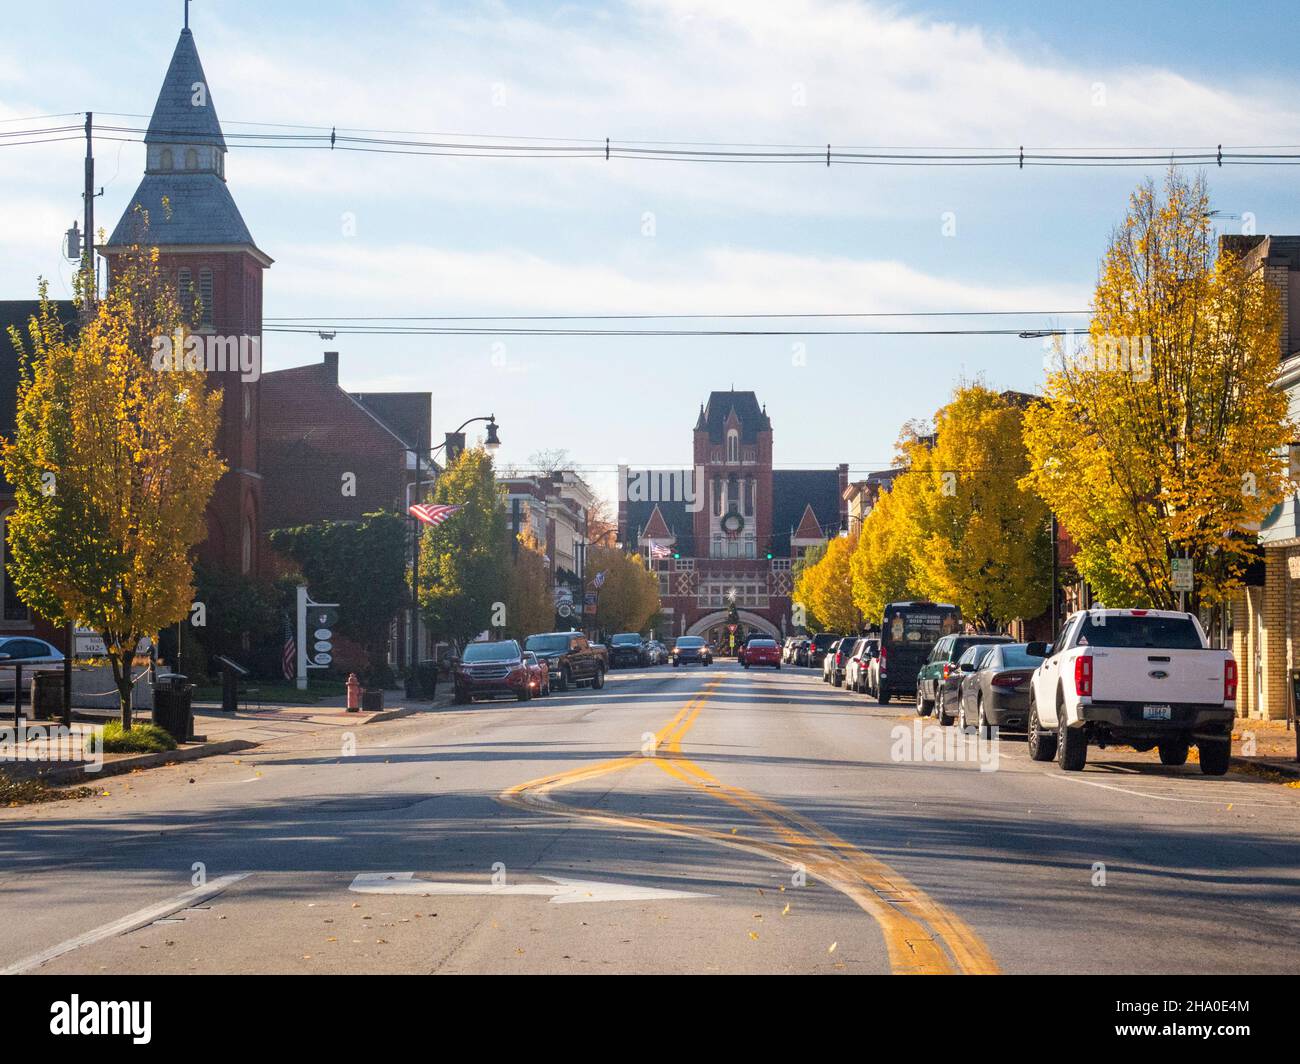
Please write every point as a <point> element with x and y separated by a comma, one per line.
<point>967,666</point>
<point>1038,650</point>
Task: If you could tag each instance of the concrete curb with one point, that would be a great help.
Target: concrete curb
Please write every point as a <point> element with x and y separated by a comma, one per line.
<point>1284,768</point>
<point>405,711</point>
<point>165,757</point>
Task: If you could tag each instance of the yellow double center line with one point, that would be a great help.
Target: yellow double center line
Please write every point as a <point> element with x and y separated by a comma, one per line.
<point>921,936</point>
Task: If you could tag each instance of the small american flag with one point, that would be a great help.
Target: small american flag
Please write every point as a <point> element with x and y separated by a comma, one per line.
<point>432,514</point>
<point>599,582</point>
<point>289,660</point>
<point>659,552</point>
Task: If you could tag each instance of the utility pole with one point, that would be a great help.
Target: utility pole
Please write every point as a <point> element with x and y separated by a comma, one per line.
<point>88,293</point>
<point>1056,575</point>
<point>413,661</point>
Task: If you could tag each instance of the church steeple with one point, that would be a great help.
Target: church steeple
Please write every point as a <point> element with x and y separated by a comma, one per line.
<point>184,190</point>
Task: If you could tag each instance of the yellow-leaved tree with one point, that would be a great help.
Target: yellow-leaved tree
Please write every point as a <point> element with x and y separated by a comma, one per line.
<point>628,593</point>
<point>112,465</point>
<point>883,566</point>
<point>980,539</point>
<point>1164,436</point>
<point>829,587</point>
<point>530,604</point>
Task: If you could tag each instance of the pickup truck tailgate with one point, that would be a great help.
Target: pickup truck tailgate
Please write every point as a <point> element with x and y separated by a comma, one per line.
<point>1157,675</point>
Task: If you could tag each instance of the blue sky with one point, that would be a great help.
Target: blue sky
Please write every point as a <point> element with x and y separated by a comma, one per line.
<point>454,236</point>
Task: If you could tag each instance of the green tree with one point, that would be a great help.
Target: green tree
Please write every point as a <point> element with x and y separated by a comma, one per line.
<point>361,565</point>
<point>1164,436</point>
<point>629,595</point>
<point>464,561</point>
<point>112,464</point>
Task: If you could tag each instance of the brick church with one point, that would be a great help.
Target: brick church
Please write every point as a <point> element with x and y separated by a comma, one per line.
<point>726,533</point>
<point>203,241</point>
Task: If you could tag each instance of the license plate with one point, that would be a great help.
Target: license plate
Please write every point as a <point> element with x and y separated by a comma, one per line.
<point>1156,712</point>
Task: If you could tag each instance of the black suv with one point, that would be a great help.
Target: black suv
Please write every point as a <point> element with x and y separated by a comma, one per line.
<point>821,643</point>
<point>627,648</point>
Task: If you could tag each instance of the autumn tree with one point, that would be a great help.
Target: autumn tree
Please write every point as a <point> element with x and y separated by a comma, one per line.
<point>362,566</point>
<point>979,539</point>
<point>1162,437</point>
<point>803,576</point>
<point>464,561</point>
<point>530,603</point>
<point>828,587</point>
<point>883,566</point>
<point>629,593</point>
<point>112,465</point>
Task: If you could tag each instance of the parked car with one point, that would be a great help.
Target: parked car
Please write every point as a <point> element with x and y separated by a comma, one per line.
<point>994,691</point>
<point>539,674</point>
<point>570,658</point>
<point>801,652</point>
<point>656,653</point>
<point>487,670</point>
<point>936,684</point>
<point>761,652</point>
<point>836,657</point>
<point>855,672</point>
<point>691,649</point>
<point>627,649</point>
<point>908,632</point>
<point>821,643</point>
<point>1146,678</point>
<point>36,655</point>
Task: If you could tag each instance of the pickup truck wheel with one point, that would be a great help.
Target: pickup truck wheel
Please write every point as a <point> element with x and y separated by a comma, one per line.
<point>1215,756</point>
<point>1042,746</point>
<point>598,681</point>
<point>1173,752</point>
<point>1071,744</point>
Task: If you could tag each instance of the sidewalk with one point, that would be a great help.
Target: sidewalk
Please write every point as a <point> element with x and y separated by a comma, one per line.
<point>215,732</point>
<point>1266,746</point>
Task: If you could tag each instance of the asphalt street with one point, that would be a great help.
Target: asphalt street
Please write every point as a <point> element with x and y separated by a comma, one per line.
<point>794,828</point>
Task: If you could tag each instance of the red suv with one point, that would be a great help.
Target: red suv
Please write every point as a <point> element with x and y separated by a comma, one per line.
<point>489,669</point>
<point>760,652</point>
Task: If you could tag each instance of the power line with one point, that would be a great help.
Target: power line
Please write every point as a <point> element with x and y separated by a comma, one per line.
<point>687,317</point>
<point>1024,333</point>
<point>480,146</point>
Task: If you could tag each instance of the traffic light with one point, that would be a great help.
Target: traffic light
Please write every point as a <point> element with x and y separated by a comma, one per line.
<point>769,556</point>
<point>677,554</point>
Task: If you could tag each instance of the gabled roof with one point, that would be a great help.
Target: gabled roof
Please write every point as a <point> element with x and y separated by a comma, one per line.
<point>680,525</point>
<point>794,491</point>
<point>809,526</point>
<point>656,527</point>
<point>184,114</point>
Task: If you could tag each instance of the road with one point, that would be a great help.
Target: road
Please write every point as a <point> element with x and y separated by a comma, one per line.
<point>778,813</point>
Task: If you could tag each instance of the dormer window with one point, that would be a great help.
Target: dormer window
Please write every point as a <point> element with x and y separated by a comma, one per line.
<point>206,297</point>
<point>191,158</point>
<point>165,159</point>
<point>733,447</point>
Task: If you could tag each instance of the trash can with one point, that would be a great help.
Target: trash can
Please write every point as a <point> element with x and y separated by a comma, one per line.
<point>172,709</point>
<point>422,680</point>
<point>372,700</point>
<point>47,695</point>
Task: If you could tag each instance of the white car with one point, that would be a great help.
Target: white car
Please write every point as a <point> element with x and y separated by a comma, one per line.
<point>1144,678</point>
<point>36,655</point>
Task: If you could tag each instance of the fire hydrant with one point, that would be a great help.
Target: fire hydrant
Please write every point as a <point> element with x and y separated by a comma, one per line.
<point>354,693</point>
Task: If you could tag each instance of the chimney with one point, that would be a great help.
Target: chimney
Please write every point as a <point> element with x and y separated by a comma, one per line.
<point>331,367</point>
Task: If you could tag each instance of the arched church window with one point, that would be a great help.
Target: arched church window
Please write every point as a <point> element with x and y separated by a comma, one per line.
<point>165,159</point>
<point>191,159</point>
<point>733,446</point>
<point>749,496</point>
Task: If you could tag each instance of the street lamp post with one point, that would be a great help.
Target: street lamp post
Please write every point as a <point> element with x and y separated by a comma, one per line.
<point>454,444</point>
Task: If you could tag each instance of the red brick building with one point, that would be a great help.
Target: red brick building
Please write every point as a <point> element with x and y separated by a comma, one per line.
<point>732,526</point>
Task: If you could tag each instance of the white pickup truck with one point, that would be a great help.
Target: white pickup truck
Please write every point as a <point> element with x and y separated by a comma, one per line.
<point>1144,678</point>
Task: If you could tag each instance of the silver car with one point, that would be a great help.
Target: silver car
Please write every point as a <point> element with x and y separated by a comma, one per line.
<point>36,655</point>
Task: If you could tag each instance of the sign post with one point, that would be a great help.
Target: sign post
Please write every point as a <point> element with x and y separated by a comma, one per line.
<point>316,621</point>
<point>1182,578</point>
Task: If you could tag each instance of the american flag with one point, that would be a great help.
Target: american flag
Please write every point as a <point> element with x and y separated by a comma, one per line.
<point>432,514</point>
<point>659,551</point>
<point>289,662</point>
<point>599,582</point>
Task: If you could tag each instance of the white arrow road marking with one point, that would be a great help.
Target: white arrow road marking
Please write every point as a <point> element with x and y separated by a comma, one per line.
<point>127,924</point>
<point>560,891</point>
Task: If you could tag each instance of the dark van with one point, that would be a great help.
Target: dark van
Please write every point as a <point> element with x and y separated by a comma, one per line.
<point>908,632</point>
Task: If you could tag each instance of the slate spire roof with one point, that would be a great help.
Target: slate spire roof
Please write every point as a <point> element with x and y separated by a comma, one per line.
<point>184,190</point>
<point>177,117</point>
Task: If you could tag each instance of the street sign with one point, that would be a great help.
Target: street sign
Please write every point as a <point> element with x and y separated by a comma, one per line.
<point>1182,575</point>
<point>323,618</point>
